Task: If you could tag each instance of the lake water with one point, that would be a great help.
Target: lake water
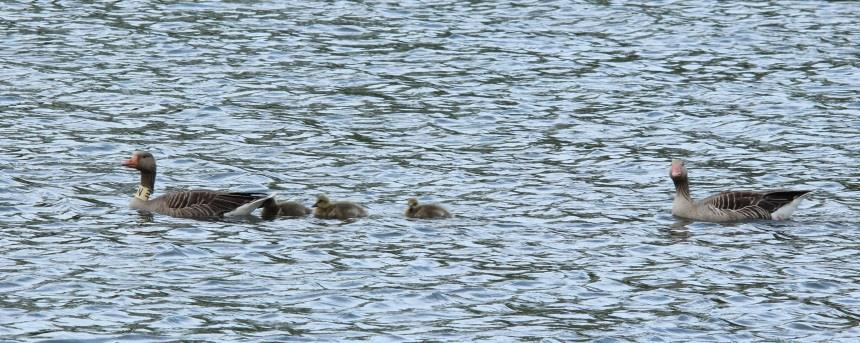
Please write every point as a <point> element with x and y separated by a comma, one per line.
<point>547,128</point>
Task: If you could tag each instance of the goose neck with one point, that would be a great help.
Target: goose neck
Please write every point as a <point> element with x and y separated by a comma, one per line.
<point>146,186</point>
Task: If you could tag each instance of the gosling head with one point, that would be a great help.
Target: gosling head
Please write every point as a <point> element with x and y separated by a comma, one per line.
<point>322,201</point>
<point>412,202</point>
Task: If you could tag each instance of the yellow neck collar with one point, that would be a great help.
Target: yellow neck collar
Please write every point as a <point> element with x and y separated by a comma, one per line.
<point>143,192</point>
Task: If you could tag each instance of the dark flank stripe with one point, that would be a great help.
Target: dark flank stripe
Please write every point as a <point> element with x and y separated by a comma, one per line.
<point>751,205</point>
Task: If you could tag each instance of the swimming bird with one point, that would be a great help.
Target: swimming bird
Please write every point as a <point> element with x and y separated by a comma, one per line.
<point>191,203</point>
<point>326,209</point>
<point>425,211</point>
<point>286,209</point>
<point>730,206</point>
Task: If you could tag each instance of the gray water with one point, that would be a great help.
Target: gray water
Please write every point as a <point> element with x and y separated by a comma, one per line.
<point>547,128</point>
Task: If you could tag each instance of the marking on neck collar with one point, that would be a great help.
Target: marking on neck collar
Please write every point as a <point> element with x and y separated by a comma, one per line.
<point>143,192</point>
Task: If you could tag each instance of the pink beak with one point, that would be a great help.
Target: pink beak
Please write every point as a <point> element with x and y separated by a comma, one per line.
<point>131,162</point>
<point>676,169</point>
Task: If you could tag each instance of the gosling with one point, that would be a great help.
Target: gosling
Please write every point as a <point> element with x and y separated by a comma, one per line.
<point>286,209</point>
<point>425,211</point>
<point>326,209</point>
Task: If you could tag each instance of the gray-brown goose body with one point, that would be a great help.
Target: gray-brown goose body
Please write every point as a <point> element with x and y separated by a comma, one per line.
<point>326,209</point>
<point>192,203</point>
<point>729,206</point>
<point>426,211</point>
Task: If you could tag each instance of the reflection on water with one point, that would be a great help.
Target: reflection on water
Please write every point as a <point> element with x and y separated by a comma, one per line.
<point>677,231</point>
<point>546,128</point>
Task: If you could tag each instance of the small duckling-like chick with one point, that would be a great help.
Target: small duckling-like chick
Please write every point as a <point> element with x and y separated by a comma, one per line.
<point>326,209</point>
<point>286,209</point>
<point>425,211</point>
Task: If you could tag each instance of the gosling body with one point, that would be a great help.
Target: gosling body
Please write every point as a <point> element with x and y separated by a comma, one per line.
<point>326,209</point>
<point>286,209</point>
<point>427,211</point>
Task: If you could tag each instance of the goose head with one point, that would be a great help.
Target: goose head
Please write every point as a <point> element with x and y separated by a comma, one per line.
<point>141,160</point>
<point>412,202</point>
<point>678,172</point>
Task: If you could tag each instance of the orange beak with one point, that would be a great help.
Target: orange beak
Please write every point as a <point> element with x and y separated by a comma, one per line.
<point>131,162</point>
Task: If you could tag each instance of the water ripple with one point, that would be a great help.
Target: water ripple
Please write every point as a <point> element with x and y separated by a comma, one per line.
<point>545,127</point>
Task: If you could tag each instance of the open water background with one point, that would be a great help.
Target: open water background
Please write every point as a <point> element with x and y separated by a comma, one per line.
<point>547,127</point>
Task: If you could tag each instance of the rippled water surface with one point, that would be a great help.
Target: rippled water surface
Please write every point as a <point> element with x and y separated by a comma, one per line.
<point>546,127</point>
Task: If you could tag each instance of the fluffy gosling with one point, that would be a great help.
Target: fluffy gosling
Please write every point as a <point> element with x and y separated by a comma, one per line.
<point>286,209</point>
<point>326,209</point>
<point>425,211</point>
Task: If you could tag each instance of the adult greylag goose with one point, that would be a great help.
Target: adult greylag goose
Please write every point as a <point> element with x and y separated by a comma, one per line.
<point>731,205</point>
<point>286,209</point>
<point>326,209</point>
<point>425,211</point>
<point>192,203</point>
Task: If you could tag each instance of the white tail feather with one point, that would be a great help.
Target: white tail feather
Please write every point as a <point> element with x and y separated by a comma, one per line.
<point>786,211</point>
<point>246,209</point>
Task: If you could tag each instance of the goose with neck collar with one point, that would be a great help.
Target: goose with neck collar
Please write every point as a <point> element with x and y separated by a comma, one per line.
<point>192,203</point>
